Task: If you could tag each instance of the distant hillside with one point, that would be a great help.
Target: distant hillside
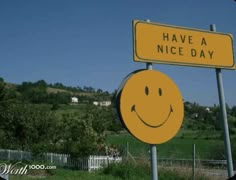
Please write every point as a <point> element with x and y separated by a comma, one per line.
<point>73,93</point>
<point>57,90</point>
<point>42,92</point>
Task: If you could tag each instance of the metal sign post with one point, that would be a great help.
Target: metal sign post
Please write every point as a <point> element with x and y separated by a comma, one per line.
<point>153,149</point>
<point>224,117</point>
<point>194,163</point>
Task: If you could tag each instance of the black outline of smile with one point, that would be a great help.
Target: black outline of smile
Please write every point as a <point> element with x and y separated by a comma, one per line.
<point>133,109</point>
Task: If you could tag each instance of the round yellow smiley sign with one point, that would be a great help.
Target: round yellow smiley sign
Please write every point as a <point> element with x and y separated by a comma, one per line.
<point>150,105</point>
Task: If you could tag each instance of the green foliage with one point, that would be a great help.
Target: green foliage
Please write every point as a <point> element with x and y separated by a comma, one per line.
<point>217,151</point>
<point>173,175</point>
<point>79,138</point>
<point>25,125</point>
<point>57,98</point>
<point>142,170</point>
<point>202,118</point>
<point>233,111</point>
<point>55,106</point>
<point>33,92</point>
<point>81,129</point>
<point>128,170</point>
<point>37,93</point>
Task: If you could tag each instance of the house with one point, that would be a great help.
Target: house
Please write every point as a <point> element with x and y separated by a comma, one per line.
<point>95,103</point>
<point>74,100</point>
<point>208,110</point>
<point>194,115</point>
<point>105,103</point>
<point>102,103</point>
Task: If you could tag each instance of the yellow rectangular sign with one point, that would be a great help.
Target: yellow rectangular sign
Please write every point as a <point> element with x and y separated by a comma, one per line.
<point>159,43</point>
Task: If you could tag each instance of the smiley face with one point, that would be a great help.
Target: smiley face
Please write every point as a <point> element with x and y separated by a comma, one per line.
<point>150,106</point>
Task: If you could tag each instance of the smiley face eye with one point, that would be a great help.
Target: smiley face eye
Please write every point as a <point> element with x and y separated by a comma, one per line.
<point>146,90</point>
<point>160,92</point>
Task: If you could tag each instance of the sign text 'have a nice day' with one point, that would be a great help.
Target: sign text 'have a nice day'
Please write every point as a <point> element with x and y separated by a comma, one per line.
<point>179,50</point>
<point>166,44</point>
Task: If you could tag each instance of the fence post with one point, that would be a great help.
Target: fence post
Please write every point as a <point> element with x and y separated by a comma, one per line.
<point>89,163</point>
<point>194,164</point>
<point>51,158</point>
<point>127,150</point>
<point>9,154</point>
<point>21,155</point>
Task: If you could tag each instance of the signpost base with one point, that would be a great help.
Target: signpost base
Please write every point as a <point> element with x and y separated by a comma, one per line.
<point>154,162</point>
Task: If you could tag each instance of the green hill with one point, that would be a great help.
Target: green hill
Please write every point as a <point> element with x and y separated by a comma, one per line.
<point>40,117</point>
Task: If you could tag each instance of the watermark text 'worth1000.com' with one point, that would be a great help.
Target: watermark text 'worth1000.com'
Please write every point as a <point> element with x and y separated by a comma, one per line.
<point>21,169</point>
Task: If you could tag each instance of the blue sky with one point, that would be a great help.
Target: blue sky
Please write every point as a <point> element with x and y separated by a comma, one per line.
<point>89,43</point>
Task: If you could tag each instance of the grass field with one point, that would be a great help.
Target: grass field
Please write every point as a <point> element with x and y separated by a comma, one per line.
<point>178,147</point>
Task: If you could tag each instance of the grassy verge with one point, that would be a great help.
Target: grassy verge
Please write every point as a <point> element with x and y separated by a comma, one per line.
<point>123,171</point>
<point>63,174</point>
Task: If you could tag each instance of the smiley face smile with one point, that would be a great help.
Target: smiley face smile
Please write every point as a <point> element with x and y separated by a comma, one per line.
<point>133,109</point>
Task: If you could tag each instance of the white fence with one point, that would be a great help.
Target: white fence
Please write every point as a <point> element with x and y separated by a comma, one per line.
<point>97,162</point>
<point>7,154</point>
<point>63,160</point>
<point>188,162</point>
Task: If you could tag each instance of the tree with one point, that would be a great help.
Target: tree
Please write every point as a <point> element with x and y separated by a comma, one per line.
<point>99,91</point>
<point>41,84</point>
<point>7,95</point>
<point>78,137</point>
<point>34,92</point>
<point>25,126</point>
<point>233,111</point>
<point>2,87</point>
